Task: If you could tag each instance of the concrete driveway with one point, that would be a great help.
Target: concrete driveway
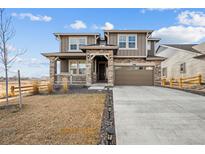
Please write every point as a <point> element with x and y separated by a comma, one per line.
<point>155,115</point>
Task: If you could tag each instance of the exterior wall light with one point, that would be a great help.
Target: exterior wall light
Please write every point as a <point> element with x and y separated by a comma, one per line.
<point>110,132</point>
<point>109,111</point>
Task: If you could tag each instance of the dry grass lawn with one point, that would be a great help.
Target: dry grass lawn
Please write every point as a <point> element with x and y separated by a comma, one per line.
<point>54,119</point>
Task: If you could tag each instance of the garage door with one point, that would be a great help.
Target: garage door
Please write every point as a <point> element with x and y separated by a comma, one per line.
<point>134,75</point>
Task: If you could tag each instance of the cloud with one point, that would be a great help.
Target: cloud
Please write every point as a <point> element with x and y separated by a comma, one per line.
<point>107,26</point>
<point>194,18</point>
<point>32,17</point>
<point>180,34</point>
<point>78,24</point>
<point>94,26</point>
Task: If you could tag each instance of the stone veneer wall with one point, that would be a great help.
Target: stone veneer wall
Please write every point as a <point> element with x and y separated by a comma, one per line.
<point>142,61</point>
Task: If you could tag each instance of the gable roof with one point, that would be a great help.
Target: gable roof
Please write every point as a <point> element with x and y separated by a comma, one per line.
<point>200,47</point>
<point>187,47</point>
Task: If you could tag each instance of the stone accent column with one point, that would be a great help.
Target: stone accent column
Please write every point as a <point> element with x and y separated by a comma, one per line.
<point>157,74</point>
<point>88,70</point>
<point>110,69</point>
<point>52,70</point>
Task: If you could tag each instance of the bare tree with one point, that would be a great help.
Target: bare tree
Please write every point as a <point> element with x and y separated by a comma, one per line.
<point>6,34</point>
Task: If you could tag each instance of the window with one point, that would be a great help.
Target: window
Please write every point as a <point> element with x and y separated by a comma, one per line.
<point>81,66</point>
<point>75,43</point>
<point>131,40</point>
<point>164,72</point>
<point>183,68</point>
<point>122,41</point>
<point>127,41</point>
<point>77,66</point>
<point>73,67</point>
<point>149,68</point>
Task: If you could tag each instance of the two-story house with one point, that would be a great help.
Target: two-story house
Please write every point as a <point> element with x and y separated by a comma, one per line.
<point>121,57</point>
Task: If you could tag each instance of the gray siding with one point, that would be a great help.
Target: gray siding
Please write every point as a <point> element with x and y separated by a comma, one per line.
<point>91,39</point>
<point>194,66</point>
<point>64,43</point>
<point>152,51</point>
<point>64,65</point>
<point>141,45</point>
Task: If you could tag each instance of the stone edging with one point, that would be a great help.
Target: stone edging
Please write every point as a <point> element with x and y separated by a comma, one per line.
<point>106,121</point>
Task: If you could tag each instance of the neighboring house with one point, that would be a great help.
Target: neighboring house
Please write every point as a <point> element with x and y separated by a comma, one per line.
<point>182,60</point>
<point>121,57</point>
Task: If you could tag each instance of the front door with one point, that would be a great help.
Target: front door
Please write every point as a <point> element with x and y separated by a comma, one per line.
<point>102,72</point>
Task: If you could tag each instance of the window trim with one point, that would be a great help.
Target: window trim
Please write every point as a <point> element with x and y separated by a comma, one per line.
<point>149,45</point>
<point>78,47</point>
<point>164,75</point>
<point>77,66</point>
<point>184,68</point>
<point>127,41</point>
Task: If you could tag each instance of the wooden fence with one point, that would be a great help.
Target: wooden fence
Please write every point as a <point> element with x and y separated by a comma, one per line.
<point>34,88</point>
<point>183,82</point>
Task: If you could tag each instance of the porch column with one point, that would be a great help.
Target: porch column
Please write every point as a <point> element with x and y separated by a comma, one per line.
<point>110,69</point>
<point>52,70</point>
<point>88,70</point>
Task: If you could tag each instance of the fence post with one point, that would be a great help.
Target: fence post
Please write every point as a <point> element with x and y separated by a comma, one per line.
<point>12,91</point>
<point>35,87</point>
<point>19,83</point>
<point>171,82</point>
<point>200,79</point>
<point>50,90</point>
<point>180,83</point>
<point>163,82</point>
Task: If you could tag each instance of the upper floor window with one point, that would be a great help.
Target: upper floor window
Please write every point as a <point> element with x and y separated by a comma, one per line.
<point>122,41</point>
<point>75,43</point>
<point>127,41</point>
<point>132,41</point>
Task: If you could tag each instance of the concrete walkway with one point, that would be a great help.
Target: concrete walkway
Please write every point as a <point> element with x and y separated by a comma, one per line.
<point>155,115</point>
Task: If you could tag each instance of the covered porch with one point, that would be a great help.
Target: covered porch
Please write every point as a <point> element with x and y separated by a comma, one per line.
<point>92,66</point>
<point>99,64</point>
